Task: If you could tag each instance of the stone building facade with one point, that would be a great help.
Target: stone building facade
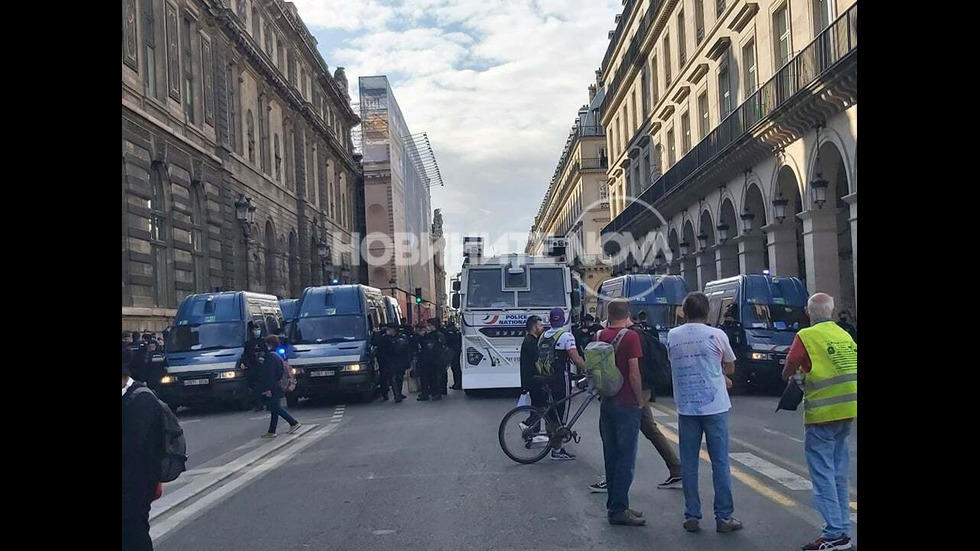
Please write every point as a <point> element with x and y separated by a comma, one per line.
<point>736,122</point>
<point>224,100</point>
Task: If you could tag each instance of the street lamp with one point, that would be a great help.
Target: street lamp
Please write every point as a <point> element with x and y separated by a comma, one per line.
<point>723,232</point>
<point>685,247</point>
<point>245,213</point>
<point>779,208</point>
<point>702,240</point>
<point>747,221</point>
<point>818,187</point>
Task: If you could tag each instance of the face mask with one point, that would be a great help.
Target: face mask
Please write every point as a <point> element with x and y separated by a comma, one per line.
<point>256,334</point>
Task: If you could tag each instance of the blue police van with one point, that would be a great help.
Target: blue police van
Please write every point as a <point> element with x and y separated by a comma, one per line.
<point>654,298</point>
<point>203,353</point>
<point>330,350</point>
<point>760,314</point>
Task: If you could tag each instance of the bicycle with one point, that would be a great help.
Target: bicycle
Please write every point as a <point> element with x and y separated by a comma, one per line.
<point>523,424</point>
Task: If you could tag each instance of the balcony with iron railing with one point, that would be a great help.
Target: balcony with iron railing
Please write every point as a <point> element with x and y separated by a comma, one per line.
<point>834,50</point>
<point>632,56</point>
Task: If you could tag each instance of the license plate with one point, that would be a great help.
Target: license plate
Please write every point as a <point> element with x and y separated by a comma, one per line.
<point>322,373</point>
<point>195,382</point>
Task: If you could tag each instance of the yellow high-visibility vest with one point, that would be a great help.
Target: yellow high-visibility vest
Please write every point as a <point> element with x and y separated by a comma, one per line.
<point>830,388</point>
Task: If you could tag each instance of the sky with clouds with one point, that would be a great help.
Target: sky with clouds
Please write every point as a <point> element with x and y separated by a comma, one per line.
<point>496,84</point>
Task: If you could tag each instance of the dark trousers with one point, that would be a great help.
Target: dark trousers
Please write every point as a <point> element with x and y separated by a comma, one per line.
<point>275,407</point>
<point>428,379</point>
<point>559,390</point>
<point>136,525</point>
<point>619,427</point>
<point>457,370</point>
<point>386,378</point>
<point>396,379</point>
<point>444,379</point>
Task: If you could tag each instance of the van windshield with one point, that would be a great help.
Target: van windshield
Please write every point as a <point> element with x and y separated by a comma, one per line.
<point>547,289</point>
<point>485,290</point>
<point>206,336</point>
<point>779,317</point>
<point>659,316</point>
<point>338,328</point>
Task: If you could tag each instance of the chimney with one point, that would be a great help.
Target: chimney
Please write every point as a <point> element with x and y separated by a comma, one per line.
<point>592,92</point>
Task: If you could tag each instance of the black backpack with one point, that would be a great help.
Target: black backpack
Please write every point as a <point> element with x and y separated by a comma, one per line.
<point>655,363</point>
<point>173,446</point>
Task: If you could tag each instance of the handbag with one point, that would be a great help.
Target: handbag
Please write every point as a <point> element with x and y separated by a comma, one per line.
<point>792,396</point>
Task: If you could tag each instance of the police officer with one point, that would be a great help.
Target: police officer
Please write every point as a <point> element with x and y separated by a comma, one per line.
<point>140,360</point>
<point>431,360</point>
<point>382,345</point>
<point>454,339</point>
<point>396,349</point>
<point>253,358</point>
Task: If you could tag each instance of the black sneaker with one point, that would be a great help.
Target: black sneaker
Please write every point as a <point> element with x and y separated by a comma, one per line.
<point>824,544</point>
<point>398,399</point>
<point>561,455</point>
<point>384,397</point>
<point>671,483</point>
<point>692,525</point>
<point>599,487</point>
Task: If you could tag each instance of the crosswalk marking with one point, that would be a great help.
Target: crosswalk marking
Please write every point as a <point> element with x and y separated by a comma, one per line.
<point>770,470</point>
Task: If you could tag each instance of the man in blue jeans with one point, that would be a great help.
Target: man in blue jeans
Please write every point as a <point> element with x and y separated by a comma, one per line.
<point>701,359</point>
<point>620,416</point>
<point>825,356</point>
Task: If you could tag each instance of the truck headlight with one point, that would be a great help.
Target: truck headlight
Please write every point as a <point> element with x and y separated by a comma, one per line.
<point>296,370</point>
<point>760,356</point>
<point>227,374</point>
<point>168,380</point>
<point>353,367</point>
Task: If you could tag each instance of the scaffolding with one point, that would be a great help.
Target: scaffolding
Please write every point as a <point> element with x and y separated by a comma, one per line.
<point>423,158</point>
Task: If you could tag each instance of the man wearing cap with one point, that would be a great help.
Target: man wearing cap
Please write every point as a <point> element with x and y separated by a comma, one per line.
<point>565,352</point>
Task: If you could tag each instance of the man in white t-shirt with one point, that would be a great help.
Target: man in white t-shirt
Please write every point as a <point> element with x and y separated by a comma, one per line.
<point>701,359</point>
<point>565,353</point>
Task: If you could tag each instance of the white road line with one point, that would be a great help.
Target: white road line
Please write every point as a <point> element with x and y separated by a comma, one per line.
<point>781,434</point>
<point>258,417</point>
<point>225,491</point>
<point>170,501</point>
<point>770,470</point>
<point>186,421</point>
<point>659,413</point>
<point>672,425</point>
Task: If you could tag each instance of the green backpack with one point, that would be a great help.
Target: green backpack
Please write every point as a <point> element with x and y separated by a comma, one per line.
<point>547,354</point>
<point>600,360</point>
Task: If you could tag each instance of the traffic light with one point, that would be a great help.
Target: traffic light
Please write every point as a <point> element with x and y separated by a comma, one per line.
<point>418,295</point>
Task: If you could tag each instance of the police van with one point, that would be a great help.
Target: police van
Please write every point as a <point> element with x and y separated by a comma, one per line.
<point>657,299</point>
<point>203,353</point>
<point>760,314</point>
<point>330,349</point>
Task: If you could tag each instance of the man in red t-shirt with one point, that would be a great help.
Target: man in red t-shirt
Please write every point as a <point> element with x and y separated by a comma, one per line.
<point>620,417</point>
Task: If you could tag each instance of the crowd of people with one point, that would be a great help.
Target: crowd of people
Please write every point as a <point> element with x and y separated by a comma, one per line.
<point>425,353</point>
<point>822,360</point>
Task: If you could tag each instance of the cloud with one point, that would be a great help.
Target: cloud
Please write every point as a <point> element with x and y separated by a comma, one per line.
<point>495,84</point>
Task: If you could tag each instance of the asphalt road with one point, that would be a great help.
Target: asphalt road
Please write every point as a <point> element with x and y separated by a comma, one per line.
<point>431,475</point>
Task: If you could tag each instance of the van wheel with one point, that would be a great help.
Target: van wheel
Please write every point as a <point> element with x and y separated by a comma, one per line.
<point>292,401</point>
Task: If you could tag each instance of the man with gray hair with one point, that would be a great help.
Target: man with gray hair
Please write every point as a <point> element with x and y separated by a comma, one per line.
<point>825,355</point>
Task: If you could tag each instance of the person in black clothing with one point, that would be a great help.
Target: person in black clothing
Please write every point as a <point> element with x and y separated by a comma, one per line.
<point>142,440</point>
<point>431,361</point>
<point>529,354</point>
<point>395,348</point>
<point>252,358</point>
<point>267,384</point>
<point>583,333</point>
<point>380,341</point>
<point>441,375</point>
<point>455,341</point>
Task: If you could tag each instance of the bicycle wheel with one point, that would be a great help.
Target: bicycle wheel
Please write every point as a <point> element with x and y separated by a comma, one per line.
<point>523,434</point>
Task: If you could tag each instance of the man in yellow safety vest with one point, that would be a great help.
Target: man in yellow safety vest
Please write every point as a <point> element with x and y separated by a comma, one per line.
<point>825,357</point>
